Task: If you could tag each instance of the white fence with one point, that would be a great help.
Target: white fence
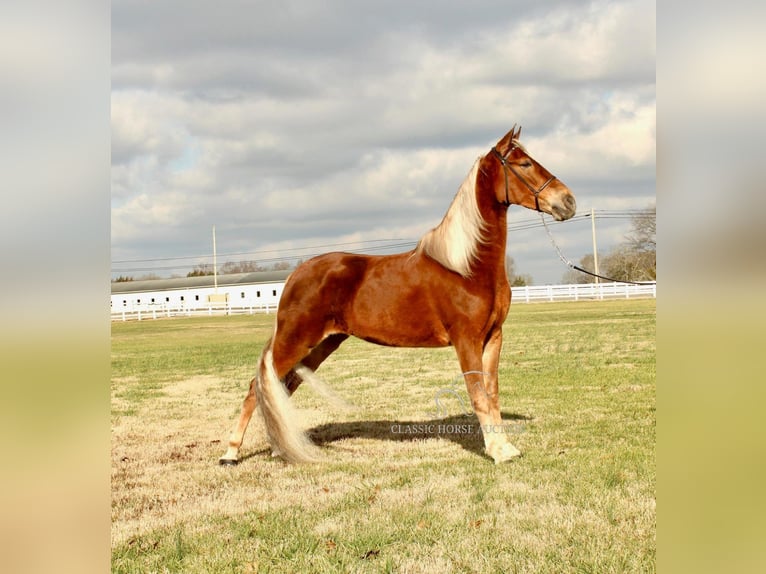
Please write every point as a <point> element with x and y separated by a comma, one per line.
<point>528,294</point>
<point>164,310</point>
<point>583,292</point>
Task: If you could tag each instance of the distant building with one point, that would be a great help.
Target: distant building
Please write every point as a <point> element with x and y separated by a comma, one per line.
<point>257,291</point>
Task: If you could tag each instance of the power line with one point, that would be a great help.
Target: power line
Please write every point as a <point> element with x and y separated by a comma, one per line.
<point>254,252</point>
<point>403,245</point>
<point>398,243</point>
<point>534,223</point>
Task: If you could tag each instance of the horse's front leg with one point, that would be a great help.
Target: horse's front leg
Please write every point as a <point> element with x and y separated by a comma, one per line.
<point>496,443</point>
<point>501,448</point>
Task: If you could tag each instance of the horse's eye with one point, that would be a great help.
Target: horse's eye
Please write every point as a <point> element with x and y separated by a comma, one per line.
<point>526,163</point>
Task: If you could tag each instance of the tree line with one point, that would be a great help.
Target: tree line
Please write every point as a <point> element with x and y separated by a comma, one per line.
<point>230,267</point>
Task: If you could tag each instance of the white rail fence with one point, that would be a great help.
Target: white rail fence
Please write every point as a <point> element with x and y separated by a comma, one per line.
<point>528,294</point>
<point>583,292</point>
<point>165,310</point>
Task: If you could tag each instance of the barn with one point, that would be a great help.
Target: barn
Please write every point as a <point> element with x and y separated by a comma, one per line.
<point>254,292</point>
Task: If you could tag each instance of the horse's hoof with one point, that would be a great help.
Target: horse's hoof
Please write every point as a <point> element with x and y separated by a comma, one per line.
<point>507,452</point>
<point>228,461</point>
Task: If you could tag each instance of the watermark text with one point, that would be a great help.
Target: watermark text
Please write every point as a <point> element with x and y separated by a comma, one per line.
<point>455,429</point>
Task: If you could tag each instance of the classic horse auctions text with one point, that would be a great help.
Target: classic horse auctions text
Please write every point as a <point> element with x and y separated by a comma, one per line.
<point>435,429</point>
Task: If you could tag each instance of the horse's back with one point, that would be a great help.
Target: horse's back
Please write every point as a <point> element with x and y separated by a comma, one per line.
<point>334,275</point>
<point>385,299</point>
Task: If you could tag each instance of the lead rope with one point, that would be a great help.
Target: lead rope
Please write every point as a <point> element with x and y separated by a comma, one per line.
<point>566,261</point>
<point>571,265</point>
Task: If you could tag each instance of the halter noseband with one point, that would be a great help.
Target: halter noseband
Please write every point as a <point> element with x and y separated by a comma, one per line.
<point>508,166</point>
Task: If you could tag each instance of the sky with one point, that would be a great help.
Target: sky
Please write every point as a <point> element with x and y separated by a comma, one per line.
<point>299,127</point>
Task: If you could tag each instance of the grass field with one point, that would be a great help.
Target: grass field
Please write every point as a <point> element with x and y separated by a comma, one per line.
<point>406,487</point>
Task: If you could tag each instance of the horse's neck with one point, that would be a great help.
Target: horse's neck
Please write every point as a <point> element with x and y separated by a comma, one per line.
<point>491,252</point>
<point>470,239</point>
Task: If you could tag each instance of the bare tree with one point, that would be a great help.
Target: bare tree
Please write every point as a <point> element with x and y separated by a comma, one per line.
<point>510,270</point>
<point>626,264</point>
<point>240,267</point>
<point>200,270</point>
<point>643,236</point>
<point>642,242</point>
<point>514,278</point>
<point>573,276</point>
<point>522,280</point>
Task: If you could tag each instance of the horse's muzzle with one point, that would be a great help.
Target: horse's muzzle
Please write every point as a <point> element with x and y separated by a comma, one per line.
<point>563,207</point>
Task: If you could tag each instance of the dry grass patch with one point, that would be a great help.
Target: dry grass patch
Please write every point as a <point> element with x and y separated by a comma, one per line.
<point>577,384</point>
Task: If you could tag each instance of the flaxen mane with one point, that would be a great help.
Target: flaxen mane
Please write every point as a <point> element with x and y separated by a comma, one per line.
<point>454,242</point>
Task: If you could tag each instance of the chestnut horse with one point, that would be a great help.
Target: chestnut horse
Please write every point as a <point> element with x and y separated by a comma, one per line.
<point>452,289</point>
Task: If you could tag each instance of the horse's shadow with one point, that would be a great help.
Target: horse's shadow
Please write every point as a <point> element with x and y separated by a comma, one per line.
<point>462,429</point>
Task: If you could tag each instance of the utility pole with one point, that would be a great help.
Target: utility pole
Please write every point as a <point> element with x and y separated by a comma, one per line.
<point>595,251</point>
<point>215,265</point>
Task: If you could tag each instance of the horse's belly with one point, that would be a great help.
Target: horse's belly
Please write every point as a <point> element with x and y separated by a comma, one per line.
<point>404,336</point>
<point>394,322</point>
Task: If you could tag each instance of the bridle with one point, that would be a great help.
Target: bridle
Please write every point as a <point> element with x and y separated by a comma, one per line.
<point>509,166</point>
<point>536,192</point>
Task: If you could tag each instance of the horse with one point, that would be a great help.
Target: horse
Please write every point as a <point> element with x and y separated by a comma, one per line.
<point>450,290</point>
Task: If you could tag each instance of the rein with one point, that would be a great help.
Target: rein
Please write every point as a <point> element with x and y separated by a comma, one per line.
<point>571,265</point>
<point>508,166</point>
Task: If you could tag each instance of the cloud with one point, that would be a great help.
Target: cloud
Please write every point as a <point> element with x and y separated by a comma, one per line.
<point>287,122</point>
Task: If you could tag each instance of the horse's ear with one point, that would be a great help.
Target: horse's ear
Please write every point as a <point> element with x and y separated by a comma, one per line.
<point>505,142</point>
<point>518,134</point>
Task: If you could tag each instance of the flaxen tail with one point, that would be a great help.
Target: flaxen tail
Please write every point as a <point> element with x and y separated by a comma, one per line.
<point>321,388</point>
<point>287,439</point>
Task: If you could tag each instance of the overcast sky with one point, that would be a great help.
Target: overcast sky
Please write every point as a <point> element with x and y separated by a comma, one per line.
<point>303,124</point>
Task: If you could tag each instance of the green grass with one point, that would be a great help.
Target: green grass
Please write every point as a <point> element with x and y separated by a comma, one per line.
<point>577,392</point>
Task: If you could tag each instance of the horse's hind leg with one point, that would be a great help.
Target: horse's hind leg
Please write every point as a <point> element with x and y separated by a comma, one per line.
<point>235,440</point>
<point>292,380</point>
<point>315,358</point>
<point>292,343</point>
<point>303,372</point>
